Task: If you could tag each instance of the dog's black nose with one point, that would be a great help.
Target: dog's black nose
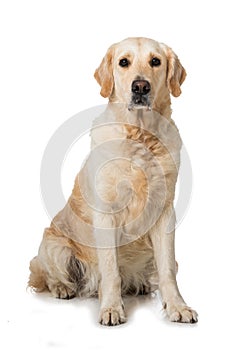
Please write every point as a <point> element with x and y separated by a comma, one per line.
<point>141,87</point>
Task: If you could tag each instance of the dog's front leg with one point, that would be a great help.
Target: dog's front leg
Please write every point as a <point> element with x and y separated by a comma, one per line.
<point>163,236</point>
<point>112,309</point>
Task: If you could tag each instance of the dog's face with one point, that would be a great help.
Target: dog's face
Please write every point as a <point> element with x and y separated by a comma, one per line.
<point>137,70</point>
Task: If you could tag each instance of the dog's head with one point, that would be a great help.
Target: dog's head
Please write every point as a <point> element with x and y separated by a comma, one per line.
<point>139,72</point>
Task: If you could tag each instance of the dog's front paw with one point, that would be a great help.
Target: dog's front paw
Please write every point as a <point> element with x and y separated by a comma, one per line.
<point>181,313</point>
<point>112,316</point>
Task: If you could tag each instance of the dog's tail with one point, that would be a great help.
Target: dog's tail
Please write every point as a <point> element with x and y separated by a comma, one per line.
<point>37,279</point>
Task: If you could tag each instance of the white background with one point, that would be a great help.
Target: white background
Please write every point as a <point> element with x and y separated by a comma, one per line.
<point>49,51</point>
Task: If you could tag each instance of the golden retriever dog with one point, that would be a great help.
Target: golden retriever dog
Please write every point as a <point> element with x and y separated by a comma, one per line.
<point>115,236</point>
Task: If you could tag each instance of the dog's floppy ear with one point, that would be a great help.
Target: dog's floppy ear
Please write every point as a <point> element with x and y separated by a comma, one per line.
<point>176,73</point>
<point>104,74</point>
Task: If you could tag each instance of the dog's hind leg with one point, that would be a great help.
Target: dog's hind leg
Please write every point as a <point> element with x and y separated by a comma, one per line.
<point>56,268</point>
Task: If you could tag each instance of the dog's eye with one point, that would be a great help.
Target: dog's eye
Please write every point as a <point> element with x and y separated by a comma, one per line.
<point>124,62</point>
<point>155,62</point>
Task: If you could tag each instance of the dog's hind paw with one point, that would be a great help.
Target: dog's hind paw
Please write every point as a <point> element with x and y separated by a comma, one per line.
<point>61,291</point>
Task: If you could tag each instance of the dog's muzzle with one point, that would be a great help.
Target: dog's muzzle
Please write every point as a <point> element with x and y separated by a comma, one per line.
<point>140,94</point>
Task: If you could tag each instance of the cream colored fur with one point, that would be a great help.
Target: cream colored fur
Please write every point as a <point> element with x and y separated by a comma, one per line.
<point>116,233</point>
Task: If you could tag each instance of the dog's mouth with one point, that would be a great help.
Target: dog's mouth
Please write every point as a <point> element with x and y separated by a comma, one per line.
<point>140,95</point>
<point>139,101</point>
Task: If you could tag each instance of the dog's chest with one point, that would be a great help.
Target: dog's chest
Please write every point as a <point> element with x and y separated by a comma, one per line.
<point>132,169</point>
